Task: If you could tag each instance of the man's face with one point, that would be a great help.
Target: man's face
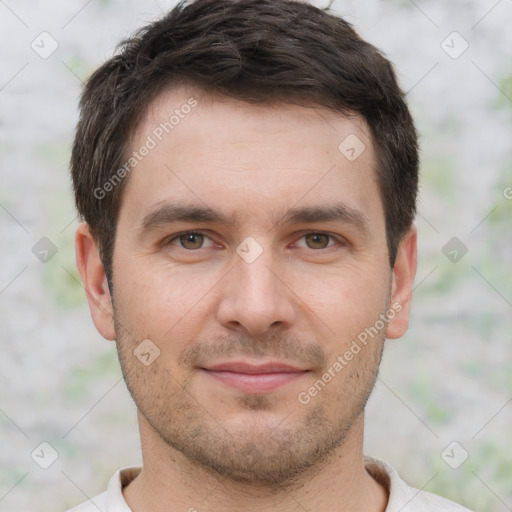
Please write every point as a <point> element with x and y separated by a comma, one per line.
<point>271,275</point>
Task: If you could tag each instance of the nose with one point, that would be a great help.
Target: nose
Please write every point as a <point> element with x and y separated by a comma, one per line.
<point>255,297</point>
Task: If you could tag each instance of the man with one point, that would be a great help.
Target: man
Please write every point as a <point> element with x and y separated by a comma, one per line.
<point>247,172</point>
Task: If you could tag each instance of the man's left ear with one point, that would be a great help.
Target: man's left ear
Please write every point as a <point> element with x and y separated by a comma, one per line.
<point>403,275</point>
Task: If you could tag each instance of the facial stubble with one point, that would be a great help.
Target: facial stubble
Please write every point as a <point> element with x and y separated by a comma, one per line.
<point>302,440</point>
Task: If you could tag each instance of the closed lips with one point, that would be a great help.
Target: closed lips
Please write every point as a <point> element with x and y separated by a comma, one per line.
<point>241,367</point>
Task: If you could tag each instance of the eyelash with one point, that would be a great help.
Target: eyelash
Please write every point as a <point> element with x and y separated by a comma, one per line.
<point>168,241</point>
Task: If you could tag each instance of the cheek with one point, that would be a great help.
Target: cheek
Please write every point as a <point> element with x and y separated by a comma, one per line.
<point>160,301</point>
<point>348,300</point>
<point>165,301</point>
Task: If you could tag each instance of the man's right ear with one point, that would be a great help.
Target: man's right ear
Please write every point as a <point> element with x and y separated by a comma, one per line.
<point>95,283</point>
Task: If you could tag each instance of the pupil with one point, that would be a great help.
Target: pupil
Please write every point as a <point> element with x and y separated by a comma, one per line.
<point>317,239</point>
<point>192,240</point>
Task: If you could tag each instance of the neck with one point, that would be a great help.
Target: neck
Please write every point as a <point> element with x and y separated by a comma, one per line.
<point>170,482</point>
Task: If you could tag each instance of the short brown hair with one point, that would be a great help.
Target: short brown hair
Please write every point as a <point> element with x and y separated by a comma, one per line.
<point>257,51</point>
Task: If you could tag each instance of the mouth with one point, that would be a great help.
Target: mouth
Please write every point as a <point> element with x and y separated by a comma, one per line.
<point>251,378</point>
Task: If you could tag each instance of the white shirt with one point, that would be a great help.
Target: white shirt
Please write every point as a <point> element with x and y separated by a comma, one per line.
<point>402,498</point>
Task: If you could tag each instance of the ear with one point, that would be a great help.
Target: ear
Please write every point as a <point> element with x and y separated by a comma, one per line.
<point>95,283</point>
<point>403,275</point>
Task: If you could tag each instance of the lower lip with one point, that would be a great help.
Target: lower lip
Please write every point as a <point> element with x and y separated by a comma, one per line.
<point>256,382</point>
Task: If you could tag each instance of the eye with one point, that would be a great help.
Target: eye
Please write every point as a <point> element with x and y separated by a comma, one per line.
<point>316,240</point>
<point>190,240</point>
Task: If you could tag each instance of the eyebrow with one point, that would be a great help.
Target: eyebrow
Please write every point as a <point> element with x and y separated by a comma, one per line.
<point>337,212</point>
<point>169,213</point>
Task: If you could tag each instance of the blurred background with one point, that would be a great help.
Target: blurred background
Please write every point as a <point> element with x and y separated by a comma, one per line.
<point>441,412</point>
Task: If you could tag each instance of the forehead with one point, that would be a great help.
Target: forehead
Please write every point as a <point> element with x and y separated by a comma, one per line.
<point>246,158</point>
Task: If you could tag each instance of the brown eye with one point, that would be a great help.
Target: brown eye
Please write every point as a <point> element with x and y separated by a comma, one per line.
<point>191,240</point>
<point>317,240</point>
